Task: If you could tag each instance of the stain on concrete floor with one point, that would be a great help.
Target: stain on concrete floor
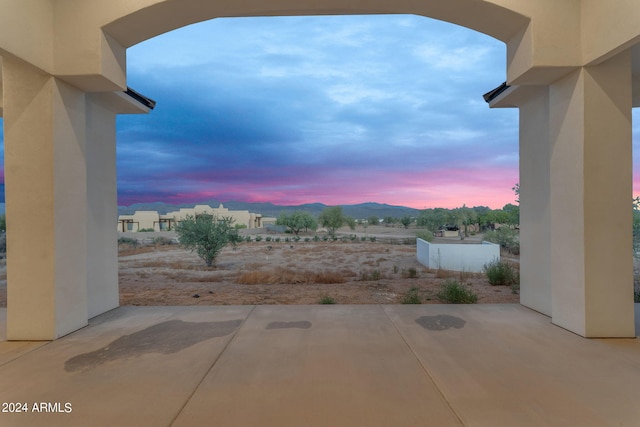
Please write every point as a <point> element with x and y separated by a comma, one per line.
<point>166,338</point>
<point>440,322</point>
<point>300,324</point>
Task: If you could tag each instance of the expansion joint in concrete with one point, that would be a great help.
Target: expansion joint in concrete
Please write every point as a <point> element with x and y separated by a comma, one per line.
<point>215,361</point>
<point>424,368</point>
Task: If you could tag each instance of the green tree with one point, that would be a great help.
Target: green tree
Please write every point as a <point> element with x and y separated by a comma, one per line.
<point>297,221</point>
<point>331,218</point>
<point>432,219</point>
<point>487,219</point>
<point>512,214</point>
<point>350,221</point>
<point>466,217</point>
<point>373,220</point>
<point>206,235</point>
<point>406,221</point>
<point>389,220</point>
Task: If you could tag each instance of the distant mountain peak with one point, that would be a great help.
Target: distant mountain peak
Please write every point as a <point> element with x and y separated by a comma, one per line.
<point>268,209</point>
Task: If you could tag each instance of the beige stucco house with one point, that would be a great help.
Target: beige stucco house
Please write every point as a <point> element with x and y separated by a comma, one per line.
<point>573,71</point>
<point>152,220</point>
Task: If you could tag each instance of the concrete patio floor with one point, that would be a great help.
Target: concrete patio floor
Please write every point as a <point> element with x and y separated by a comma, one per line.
<point>421,365</point>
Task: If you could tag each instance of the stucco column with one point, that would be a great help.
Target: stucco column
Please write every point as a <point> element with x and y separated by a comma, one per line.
<point>102,206</point>
<point>591,190</point>
<point>535,198</point>
<point>46,197</point>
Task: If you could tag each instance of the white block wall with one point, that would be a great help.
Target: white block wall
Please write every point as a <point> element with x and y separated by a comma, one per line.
<point>457,257</point>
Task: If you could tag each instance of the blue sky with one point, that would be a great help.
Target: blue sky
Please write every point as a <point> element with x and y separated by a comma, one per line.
<point>332,109</point>
<point>343,109</point>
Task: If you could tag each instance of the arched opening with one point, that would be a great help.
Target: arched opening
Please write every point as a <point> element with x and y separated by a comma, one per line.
<point>336,110</point>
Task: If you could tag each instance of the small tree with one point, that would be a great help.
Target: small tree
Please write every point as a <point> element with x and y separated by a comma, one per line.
<point>297,221</point>
<point>206,235</point>
<point>373,220</point>
<point>350,222</point>
<point>331,218</point>
<point>406,221</point>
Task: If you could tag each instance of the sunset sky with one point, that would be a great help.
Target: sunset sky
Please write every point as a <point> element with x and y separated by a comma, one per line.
<point>337,110</point>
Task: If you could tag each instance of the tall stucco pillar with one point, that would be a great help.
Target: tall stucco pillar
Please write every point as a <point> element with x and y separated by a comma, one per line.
<point>535,198</point>
<point>46,197</point>
<point>102,206</point>
<point>591,188</point>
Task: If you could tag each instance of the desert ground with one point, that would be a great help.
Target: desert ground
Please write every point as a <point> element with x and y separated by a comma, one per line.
<point>347,271</point>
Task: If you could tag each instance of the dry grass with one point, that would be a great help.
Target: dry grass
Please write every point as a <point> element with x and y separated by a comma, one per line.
<point>446,274</point>
<point>281,275</point>
<point>126,250</point>
<point>188,278</point>
<point>173,265</point>
<point>354,273</point>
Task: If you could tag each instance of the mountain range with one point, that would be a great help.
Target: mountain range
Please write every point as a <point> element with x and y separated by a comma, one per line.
<point>359,211</point>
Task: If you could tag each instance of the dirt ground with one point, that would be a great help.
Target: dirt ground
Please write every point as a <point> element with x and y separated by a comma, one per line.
<point>303,272</point>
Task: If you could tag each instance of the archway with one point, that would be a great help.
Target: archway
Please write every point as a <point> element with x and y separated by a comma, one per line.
<point>573,89</point>
<point>243,125</point>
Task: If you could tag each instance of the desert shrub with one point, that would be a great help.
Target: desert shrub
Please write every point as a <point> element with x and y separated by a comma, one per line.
<point>277,239</point>
<point>363,238</point>
<point>395,269</point>
<point>268,238</point>
<point>327,300</point>
<point>515,288</point>
<point>206,235</point>
<point>128,241</point>
<point>412,297</point>
<point>316,238</point>
<point>306,239</point>
<point>501,273</point>
<point>506,238</point>
<point>247,239</point>
<point>372,238</point>
<point>425,235</point>
<point>258,238</point>
<point>412,273</point>
<point>366,276</point>
<point>454,292</point>
<point>162,241</point>
<point>3,242</point>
